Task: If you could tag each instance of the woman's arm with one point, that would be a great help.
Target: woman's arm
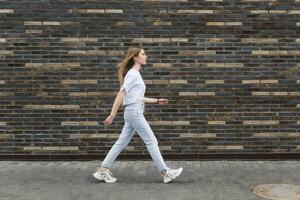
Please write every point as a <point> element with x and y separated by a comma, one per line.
<point>118,101</point>
<point>150,100</point>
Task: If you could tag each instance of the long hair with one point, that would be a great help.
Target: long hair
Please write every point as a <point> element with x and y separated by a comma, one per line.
<point>127,62</point>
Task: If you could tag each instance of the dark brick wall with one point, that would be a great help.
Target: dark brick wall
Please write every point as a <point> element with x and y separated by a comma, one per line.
<point>229,68</point>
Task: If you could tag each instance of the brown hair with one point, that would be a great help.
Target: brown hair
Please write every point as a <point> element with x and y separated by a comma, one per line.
<point>127,62</point>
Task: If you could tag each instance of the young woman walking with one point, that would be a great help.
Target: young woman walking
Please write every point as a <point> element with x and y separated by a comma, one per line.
<point>131,94</point>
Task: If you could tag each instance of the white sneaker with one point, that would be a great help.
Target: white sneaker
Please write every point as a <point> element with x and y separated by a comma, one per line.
<point>106,176</point>
<point>171,174</point>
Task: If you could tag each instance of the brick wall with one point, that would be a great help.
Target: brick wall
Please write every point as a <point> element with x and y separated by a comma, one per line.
<point>230,70</point>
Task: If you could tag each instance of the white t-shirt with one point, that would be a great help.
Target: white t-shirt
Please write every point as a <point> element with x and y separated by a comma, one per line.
<point>134,87</point>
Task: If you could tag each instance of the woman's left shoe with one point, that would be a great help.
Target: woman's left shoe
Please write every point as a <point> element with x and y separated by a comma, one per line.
<point>171,174</point>
<point>107,176</point>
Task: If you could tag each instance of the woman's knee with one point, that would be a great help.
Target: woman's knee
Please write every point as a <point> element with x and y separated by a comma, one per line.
<point>152,142</point>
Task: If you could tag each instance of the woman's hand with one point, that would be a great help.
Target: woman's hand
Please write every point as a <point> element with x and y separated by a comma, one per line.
<point>163,101</point>
<point>108,120</point>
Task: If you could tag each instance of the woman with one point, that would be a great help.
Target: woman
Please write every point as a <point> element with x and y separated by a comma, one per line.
<point>131,94</point>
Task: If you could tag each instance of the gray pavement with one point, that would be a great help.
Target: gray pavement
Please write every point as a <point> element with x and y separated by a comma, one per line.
<point>139,180</point>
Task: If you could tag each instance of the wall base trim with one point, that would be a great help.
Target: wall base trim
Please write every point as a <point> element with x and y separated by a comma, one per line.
<point>68,157</point>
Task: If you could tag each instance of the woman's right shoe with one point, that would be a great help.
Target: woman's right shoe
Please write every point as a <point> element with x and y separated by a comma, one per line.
<point>106,176</point>
<point>171,174</point>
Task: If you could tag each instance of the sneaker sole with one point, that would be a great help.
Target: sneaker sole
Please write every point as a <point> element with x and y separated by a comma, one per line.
<point>180,171</point>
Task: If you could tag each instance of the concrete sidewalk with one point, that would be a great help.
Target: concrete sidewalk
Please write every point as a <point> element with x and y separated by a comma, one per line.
<point>139,180</point>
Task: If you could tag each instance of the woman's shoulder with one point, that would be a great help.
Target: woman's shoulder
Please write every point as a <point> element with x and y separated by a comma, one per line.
<point>132,73</point>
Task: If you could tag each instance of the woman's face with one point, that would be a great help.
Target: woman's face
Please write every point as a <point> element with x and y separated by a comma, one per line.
<point>141,58</point>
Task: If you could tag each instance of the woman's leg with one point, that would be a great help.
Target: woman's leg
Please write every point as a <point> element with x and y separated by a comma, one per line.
<point>141,126</point>
<point>120,144</point>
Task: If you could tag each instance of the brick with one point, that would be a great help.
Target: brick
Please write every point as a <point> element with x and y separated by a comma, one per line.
<point>214,81</point>
<point>129,148</point>
<point>251,81</point>
<point>77,52</point>
<point>3,52</point>
<point>88,81</point>
<point>70,123</point>
<point>6,11</point>
<point>69,81</point>
<point>95,10</point>
<point>268,81</point>
<point>180,122</point>
<point>179,39</point>
<point>260,40</point>
<point>186,11</point>
<point>164,148</point>
<point>278,93</point>
<point>113,11</point>
<point>88,123</point>
<point>224,147</point>
<point>293,93</point>
<point>187,93</point>
<point>32,148</point>
<point>51,107</point>
<point>233,23</point>
<point>207,135</point>
<point>258,52</point>
<point>178,81</point>
<point>161,64</point>
<point>6,94</point>
<point>51,23</point>
<point>215,39</point>
<point>224,64</point>
<point>5,136</point>
<point>291,12</point>
<point>259,11</point>
<point>206,93</point>
<point>277,134</point>
<point>160,23</point>
<point>100,93</point>
<point>160,81</point>
<point>162,123</point>
<point>113,136</point>
<point>189,135</point>
<point>293,52</point>
<point>215,23</point>
<point>51,148</point>
<point>261,122</point>
<point>33,23</point>
<point>277,11</point>
<point>69,148</point>
<point>205,11</point>
<point>261,93</point>
<point>125,23</point>
<point>69,39</point>
<point>254,122</point>
<point>34,31</point>
<point>88,136</point>
<point>78,94</point>
<point>216,122</point>
<point>278,52</point>
<point>77,10</point>
<point>269,122</point>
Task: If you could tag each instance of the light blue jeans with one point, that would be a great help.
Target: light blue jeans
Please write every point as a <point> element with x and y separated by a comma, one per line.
<point>135,121</point>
